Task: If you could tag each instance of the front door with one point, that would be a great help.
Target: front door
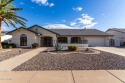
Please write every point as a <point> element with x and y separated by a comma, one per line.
<point>47,41</point>
<point>112,42</point>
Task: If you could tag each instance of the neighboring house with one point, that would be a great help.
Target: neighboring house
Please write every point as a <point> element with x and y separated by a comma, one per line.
<point>49,37</point>
<point>5,37</point>
<point>119,36</point>
<point>4,32</point>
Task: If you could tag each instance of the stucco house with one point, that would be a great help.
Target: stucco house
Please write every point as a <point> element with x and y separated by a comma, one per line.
<point>119,36</point>
<point>25,37</point>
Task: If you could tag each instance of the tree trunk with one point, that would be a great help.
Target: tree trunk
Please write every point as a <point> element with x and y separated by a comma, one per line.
<point>0,33</point>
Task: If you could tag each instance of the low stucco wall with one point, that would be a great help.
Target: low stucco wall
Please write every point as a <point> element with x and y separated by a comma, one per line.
<point>79,45</point>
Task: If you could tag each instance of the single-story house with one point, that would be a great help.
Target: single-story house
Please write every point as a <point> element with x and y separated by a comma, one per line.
<point>25,37</point>
<point>119,36</point>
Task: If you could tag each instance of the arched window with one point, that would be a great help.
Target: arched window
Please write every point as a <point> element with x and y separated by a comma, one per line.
<point>62,39</point>
<point>23,40</point>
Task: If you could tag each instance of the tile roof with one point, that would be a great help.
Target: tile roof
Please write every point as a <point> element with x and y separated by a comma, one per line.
<point>80,32</point>
<point>120,30</point>
<point>70,32</point>
<point>25,29</point>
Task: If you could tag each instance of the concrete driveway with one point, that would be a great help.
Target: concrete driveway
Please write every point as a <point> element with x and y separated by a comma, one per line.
<point>114,50</point>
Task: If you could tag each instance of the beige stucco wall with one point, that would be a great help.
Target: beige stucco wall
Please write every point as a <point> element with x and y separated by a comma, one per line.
<point>45,33</point>
<point>79,45</point>
<point>97,40</point>
<point>118,36</point>
<point>31,37</point>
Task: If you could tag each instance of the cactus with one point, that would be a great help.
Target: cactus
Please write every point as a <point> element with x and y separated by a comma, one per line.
<point>58,47</point>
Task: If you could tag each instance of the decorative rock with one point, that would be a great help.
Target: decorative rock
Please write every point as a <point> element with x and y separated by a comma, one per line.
<point>74,61</point>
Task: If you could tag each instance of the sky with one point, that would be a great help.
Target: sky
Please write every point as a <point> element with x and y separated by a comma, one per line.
<point>72,14</point>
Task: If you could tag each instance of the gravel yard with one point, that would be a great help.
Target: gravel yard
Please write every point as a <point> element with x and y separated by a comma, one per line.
<point>73,61</point>
<point>9,53</point>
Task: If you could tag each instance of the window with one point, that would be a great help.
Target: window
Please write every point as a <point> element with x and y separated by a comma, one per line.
<point>23,40</point>
<point>75,40</point>
<point>62,40</point>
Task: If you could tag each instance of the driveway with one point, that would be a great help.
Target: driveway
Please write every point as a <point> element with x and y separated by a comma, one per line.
<point>114,50</point>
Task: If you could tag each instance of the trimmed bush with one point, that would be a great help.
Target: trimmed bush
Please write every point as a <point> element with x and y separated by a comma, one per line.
<point>58,47</point>
<point>4,44</point>
<point>35,45</point>
<point>72,48</point>
<point>12,45</point>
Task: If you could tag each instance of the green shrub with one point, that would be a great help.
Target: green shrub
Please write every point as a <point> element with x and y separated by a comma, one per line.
<point>58,47</point>
<point>35,45</point>
<point>72,48</point>
<point>4,44</point>
<point>12,45</point>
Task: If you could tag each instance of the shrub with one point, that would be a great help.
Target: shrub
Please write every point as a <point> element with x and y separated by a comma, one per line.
<point>58,47</point>
<point>35,45</point>
<point>12,45</point>
<point>87,49</point>
<point>72,48</point>
<point>4,44</point>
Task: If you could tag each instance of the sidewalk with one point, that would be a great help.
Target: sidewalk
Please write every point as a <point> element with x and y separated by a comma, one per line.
<point>99,76</point>
<point>12,63</point>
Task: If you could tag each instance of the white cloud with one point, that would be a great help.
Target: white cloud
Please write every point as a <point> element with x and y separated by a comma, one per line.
<point>85,21</point>
<point>51,4</point>
<point>72,23</point>
<point>44,2</point>
<point>90,25</point>
<point>78,9</point>
<point>58,26</point>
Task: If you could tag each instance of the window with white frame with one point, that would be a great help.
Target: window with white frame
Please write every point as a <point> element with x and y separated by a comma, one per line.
<point>62,40</point>
<point>23,40</point>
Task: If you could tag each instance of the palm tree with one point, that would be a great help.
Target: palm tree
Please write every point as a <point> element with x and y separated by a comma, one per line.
<point>9,17</point>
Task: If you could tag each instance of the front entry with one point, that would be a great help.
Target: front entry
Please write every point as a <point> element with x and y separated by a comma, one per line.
<point>112,42</point>
<point>46,42</point>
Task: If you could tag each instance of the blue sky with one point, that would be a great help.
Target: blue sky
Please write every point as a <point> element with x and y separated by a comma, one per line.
<point>99,14</point>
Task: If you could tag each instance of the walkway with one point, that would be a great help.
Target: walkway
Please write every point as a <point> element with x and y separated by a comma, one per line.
<point>99,76</point>
<point>114,50</point>
<point>12,63</point>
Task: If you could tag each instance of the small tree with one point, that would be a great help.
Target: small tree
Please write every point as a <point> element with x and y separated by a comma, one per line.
<point>8,16</point>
